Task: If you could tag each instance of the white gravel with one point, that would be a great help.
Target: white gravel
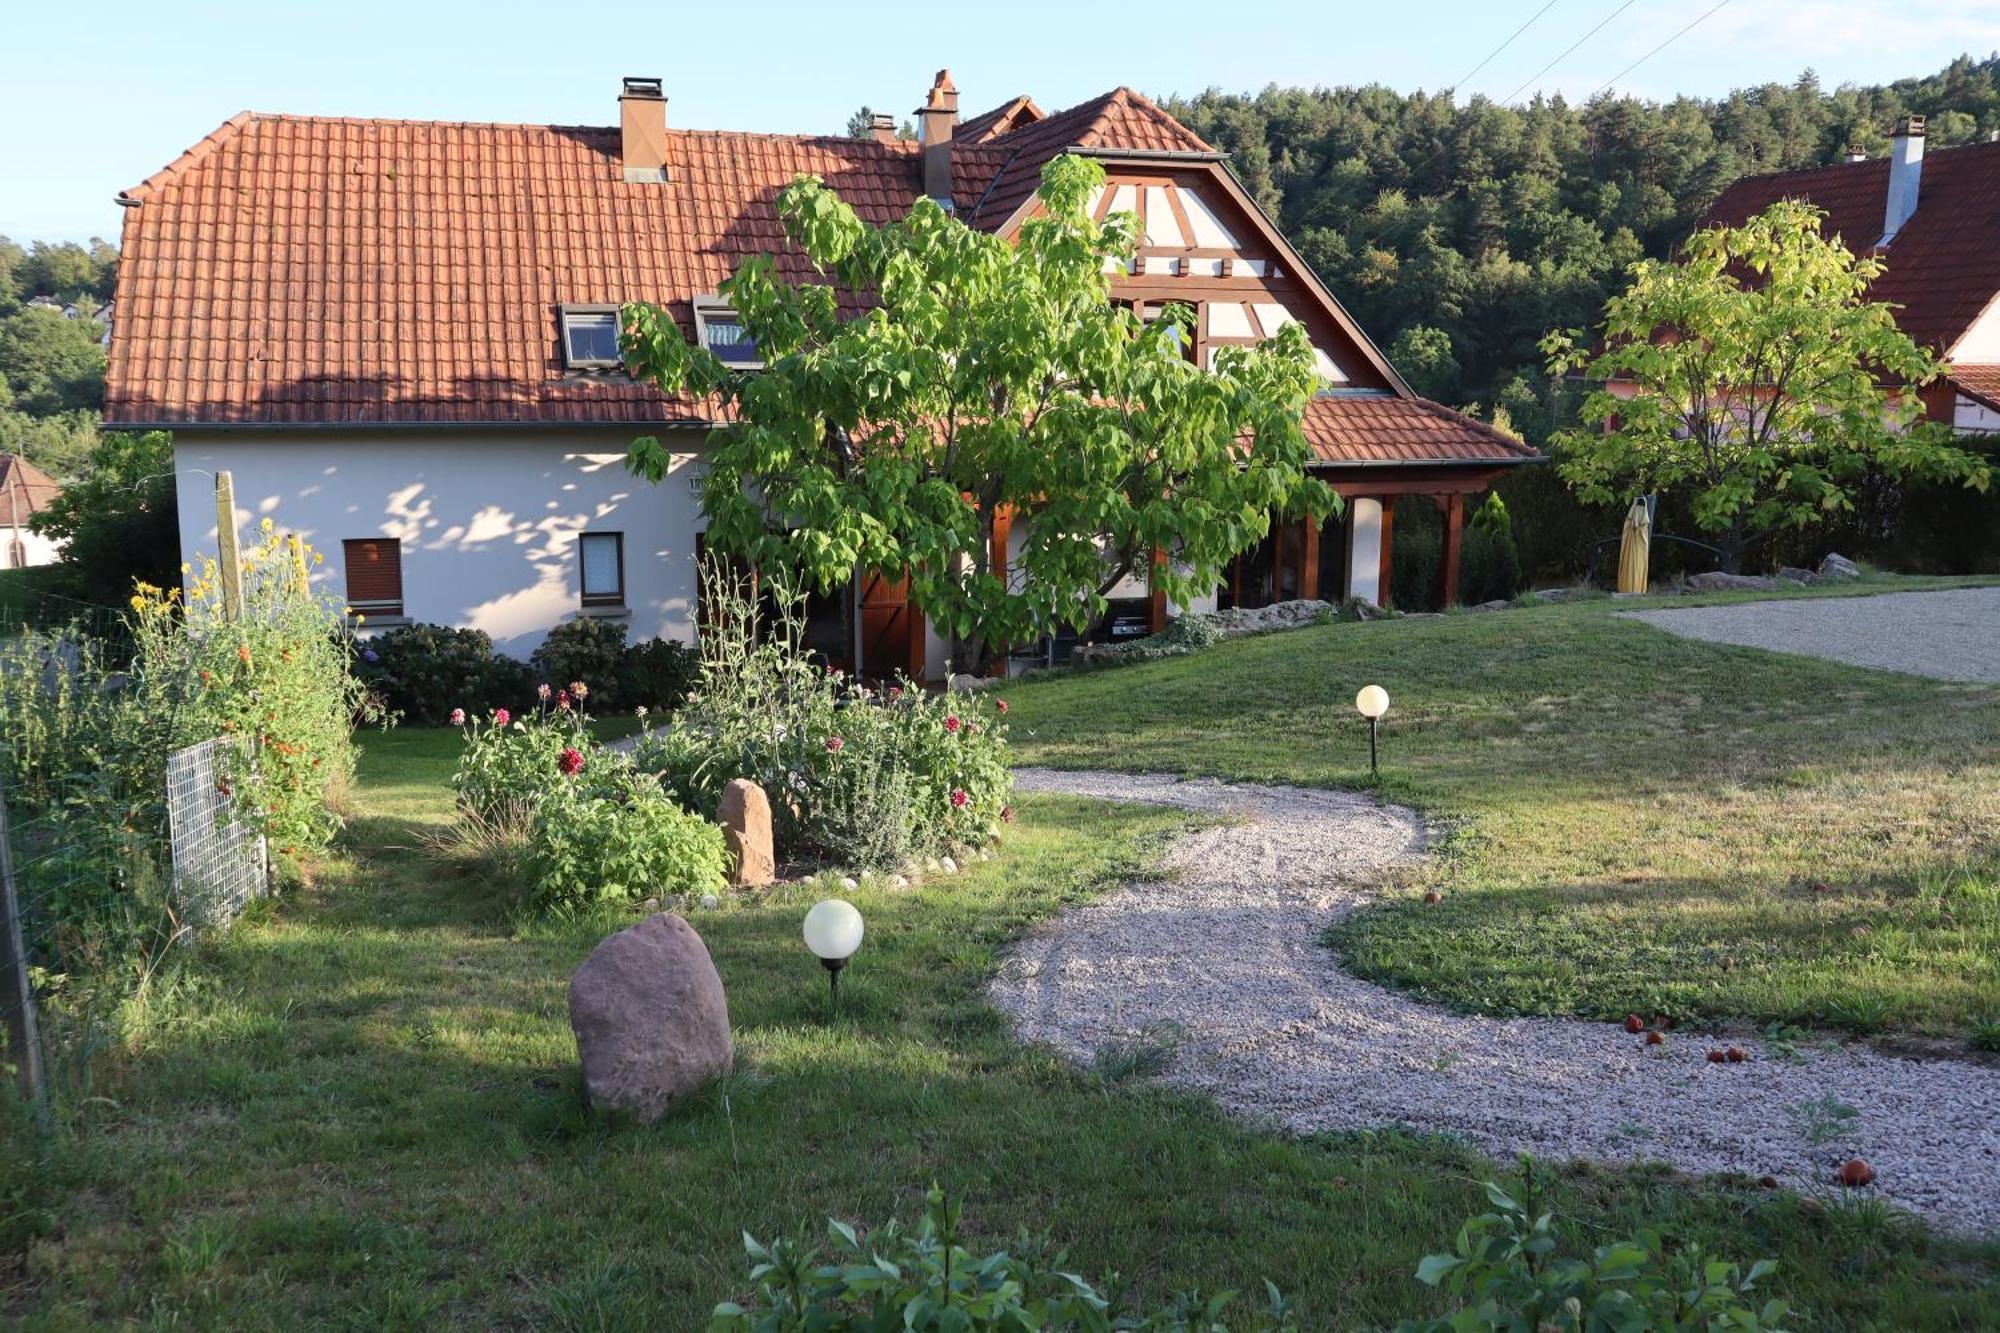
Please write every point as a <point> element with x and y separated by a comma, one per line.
<point>1950,634</point>
<point>1272,1027</point>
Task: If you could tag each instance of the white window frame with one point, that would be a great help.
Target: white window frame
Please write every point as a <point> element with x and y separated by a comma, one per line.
<point>714,307</point>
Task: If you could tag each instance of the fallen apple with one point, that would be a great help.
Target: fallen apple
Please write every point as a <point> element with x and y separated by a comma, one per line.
<point>1736,1055</point>
<point>1655,1039</point>
<point>1634,1023</point>
<point>1855,1172</point>
<point>1433,897</point>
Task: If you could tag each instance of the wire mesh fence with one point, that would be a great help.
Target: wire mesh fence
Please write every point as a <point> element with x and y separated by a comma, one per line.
<point>219,860</point>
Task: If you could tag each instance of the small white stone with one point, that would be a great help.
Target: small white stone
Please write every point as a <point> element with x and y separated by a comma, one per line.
<point>985,855</point>
<point>651,904</point>
<point>709,900</point>
<point>899,881</point>
<point>849,883</point>
<point>949,866</point>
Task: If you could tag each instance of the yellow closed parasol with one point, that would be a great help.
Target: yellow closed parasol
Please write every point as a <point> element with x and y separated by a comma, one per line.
<point>1635,551</point>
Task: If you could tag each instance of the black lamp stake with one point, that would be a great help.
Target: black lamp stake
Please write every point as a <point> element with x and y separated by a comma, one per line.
<point>832,966</point>
<point>1374,725</point>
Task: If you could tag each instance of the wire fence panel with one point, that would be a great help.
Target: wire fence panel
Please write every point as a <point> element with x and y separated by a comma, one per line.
<point>19,1027</point>
<point>218,859</point>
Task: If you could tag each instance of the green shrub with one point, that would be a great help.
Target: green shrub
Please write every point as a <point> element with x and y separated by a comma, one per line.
<point>422,672</point>
<point>838,760</point>
<point>590,649</point>
<point>593,845</point>
<point>927,1279</point>
<point>658,674</point>
<point>1504,1266</point>
<point>1183,635</point>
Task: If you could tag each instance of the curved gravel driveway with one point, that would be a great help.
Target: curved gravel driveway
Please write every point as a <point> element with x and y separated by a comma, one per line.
<point>1950,634</point>
<point>1271,1026</point>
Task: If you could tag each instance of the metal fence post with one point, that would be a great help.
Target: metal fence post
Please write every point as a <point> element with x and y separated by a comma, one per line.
<point>17,997</point>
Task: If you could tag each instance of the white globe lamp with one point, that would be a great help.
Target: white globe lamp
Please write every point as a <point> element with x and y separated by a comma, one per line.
<point>1372,702</point>
<point>833,932</point>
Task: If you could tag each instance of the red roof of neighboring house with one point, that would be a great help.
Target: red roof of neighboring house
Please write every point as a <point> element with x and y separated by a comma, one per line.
<point>1382,428</point>
<point>1980,382</point>
<point>295,270</point>
<point>1943,266</point>
<point>25,490</point>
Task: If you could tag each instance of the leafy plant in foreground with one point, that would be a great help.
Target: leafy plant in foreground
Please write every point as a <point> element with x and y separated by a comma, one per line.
<point>1504,1266</point>
<point>898,1279</point>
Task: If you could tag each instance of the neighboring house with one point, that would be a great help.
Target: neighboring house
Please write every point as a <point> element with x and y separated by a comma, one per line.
<point>1935,222</point>
<point>25,490</point>
<point>401,340</point>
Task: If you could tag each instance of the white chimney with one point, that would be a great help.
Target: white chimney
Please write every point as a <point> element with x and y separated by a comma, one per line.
<point>1906,171</point>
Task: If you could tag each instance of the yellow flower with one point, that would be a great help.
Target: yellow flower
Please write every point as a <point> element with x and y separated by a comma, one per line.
<point>265,526</point>
<point>138,602</point>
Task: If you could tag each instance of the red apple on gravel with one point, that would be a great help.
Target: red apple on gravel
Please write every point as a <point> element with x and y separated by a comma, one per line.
<point>1634,1023</point>
<point>1855,1173</point>
<point>1736,1055</point>
<point>1655,1039</point>
<point>1716,1057</point>
<point>1767,1182</point>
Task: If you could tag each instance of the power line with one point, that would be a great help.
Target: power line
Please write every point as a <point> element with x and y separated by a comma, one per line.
<point>1570,49</point>
<point>1503,46</point>
<point>1661,47</point>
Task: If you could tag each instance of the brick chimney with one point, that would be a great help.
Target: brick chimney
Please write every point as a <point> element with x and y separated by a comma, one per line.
<point>642,122</point>
<point>936,119</point>
<point>882,129</point>
<point>1906,172</point>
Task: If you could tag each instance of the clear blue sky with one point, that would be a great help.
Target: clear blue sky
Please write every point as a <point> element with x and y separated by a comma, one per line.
<point>96,96</point>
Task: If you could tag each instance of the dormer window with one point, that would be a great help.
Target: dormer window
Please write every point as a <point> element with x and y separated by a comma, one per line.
<point>720,330</point>
<point>590,337</point>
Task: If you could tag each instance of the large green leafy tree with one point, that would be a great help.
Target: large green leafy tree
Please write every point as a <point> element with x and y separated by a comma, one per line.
<point>52,364</point>
<point>1755,377</point>
<point>985,378</point>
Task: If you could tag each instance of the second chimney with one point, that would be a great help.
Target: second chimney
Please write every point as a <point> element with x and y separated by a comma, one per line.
<point>883,129</point>
<point>642,123</point>
<point>936,119</point>
<point>1906,171</point>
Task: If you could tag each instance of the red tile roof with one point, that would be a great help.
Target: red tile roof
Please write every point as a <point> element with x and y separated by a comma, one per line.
<point>290,270</point>
<point>25,490</point>
<point>1943,266</point>
<point>1981,382</point>
<point>1347,429</point>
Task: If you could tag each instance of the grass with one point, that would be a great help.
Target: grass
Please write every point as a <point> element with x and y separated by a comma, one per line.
<point>360,1109</point>
<point>1628,821</point>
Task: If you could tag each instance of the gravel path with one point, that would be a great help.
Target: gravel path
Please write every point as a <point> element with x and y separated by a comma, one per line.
<point>1228,949</point>
<point>1953,634</point>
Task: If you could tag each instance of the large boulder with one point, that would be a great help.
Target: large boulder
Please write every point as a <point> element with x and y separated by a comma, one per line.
<point>651,1021</point>
<point>1838,567</point>
<point>745,816</point>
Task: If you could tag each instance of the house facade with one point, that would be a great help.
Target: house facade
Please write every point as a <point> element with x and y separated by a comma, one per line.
<point>25,490</point>
<point>1934,220</point>
<point>400,339</point>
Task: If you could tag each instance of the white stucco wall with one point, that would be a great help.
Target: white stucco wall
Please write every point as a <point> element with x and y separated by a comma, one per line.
<point>488,520</point>
<point>1974,417</point>
<point>34,548</point>
<point>1979,345</point>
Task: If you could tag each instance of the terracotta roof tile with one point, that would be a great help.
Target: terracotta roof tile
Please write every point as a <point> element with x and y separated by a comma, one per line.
<point>1388,429</point>
<point>1943,266</point>
<point>1981,382</point>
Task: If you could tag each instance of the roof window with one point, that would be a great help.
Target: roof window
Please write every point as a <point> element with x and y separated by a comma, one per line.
<point>721,331</point>
<point>590,337</point>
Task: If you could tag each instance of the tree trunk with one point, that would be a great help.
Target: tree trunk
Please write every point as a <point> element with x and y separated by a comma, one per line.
<point>1734,544</point>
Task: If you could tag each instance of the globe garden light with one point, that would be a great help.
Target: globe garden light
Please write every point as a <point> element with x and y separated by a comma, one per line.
<point>1371,703</point>
<point>833,932</point>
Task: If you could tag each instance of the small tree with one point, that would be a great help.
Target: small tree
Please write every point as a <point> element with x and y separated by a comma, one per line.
<point>987,378</point>
<point>1761,382</point>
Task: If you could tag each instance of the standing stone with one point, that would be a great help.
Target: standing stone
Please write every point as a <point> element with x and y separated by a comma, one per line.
<point>1838,567</point>
<point>745,816</point>
<point>651,1021</point>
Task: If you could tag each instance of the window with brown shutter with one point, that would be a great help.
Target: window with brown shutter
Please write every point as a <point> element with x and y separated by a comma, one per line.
<point>374,575</point>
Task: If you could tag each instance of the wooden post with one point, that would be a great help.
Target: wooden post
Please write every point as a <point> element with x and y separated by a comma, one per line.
<point>17,997</point>
<point>1454,527</point>
<point>228,558</point>
<point>1382,574</point>
<point>1309,560</point>
<point>1003,526</point>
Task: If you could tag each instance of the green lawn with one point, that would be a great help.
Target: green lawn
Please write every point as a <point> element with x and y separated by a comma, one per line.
<point>360,1109</point>
<point>1629,821</point>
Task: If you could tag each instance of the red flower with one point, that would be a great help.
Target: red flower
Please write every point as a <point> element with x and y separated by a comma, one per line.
<point>895,693</point>
<point>1001,704</point>
<point>458,717</point>
<point>501,717</point>
<point>571,762</point>
<point>959,798</point>
<point>952,723</point>
<point>833,744</point>
<point>562,700</point>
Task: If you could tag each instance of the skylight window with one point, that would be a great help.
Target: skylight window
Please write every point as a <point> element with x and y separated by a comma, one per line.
<point>722,332</point>
<point>590,337</point>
